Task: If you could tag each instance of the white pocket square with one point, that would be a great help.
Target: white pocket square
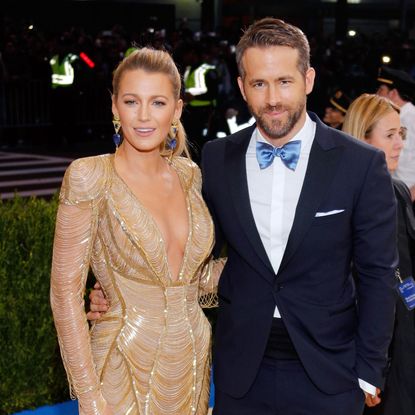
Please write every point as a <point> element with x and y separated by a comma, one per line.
<point>331,212</point>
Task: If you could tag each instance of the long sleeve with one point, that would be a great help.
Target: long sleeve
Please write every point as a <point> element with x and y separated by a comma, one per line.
<point>75,227</point>
<point>375,259</point>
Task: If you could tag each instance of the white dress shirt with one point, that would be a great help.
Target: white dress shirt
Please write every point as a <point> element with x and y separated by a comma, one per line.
<point>274,193</point>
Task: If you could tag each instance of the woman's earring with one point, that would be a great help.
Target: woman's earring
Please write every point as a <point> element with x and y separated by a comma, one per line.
<point>172,141</point>
<point>117,125</point>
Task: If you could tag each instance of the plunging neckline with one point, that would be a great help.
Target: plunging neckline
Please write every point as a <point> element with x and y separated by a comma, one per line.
<point>156,226</point>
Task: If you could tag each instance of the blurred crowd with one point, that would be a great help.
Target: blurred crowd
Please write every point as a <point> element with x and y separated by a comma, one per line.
<point>348,64</point>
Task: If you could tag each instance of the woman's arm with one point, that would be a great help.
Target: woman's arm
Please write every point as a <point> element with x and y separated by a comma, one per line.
<point>74,234</point>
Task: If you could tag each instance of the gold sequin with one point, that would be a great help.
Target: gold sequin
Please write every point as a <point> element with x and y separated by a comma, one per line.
<point>150,353</point>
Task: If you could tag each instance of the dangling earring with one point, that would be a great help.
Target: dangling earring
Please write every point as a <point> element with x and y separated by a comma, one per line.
<point>117,125</point>
<point>172,142</point>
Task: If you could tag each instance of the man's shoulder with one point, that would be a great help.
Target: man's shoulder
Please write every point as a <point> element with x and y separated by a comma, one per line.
<point>238,138</point>
<point>350,143</point>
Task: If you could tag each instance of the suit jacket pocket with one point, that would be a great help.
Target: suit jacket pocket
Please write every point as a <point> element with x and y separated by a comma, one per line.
<point>323,220</point>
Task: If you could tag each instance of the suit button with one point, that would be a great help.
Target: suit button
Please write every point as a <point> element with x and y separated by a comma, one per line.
<point>279,287</point>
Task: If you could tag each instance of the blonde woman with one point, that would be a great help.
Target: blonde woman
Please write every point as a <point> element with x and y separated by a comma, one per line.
<point>375,120</point>
<point>137,218</point>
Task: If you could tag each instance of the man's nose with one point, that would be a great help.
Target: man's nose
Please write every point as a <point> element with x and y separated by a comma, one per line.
<point>273,96</point>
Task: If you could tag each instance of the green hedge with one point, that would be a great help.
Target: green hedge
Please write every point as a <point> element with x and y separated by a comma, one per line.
<point>31,372</point>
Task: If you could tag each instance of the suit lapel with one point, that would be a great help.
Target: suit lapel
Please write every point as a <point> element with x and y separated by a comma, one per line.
<point>235,159</point>
<point>323,161</point>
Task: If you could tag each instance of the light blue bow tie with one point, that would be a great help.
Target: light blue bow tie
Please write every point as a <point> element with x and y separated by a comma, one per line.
<point>288,153</point>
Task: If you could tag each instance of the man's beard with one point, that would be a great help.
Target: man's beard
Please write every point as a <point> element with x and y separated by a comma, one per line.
<point>276,128</point>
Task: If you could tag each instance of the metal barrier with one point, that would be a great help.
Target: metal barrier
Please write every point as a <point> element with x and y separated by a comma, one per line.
<point>30,103</point>
<point>25,103</point>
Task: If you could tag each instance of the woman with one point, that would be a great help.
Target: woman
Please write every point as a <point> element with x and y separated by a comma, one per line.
<point>138,220</point>
<point>375,119</point>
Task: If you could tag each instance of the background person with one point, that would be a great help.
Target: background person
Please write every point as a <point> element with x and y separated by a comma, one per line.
<point>336,109</point>
<point>375,120</point>
<point>399,87</point>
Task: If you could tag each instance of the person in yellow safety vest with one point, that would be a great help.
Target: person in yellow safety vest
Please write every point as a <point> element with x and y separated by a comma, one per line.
<point>63,73</point>
<point>201,91</point>
<point>196,85</point>
<point>65,92</point>
<point>129,51</point>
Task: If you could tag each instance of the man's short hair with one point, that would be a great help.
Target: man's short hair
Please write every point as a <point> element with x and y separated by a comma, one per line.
<point>274,32</point>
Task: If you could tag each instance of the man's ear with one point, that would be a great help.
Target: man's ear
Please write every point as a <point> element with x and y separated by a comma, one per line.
<point>309,80</point>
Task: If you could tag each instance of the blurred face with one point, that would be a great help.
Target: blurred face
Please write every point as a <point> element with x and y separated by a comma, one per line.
<point>383,91</point>
<point>387,136</point>
<point>275,91</point>
<point>146,106</point>
<point>333,117</point>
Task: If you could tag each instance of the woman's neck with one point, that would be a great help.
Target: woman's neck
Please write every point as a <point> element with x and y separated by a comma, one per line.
<point>134,162</point>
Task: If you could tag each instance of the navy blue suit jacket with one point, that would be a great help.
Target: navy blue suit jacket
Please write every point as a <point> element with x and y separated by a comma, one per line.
<point>341,330</point>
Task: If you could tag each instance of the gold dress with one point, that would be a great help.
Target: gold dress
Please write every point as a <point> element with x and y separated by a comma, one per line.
<point>150,352</point>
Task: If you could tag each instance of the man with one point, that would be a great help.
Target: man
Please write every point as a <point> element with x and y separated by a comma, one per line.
<point>336,109</point>
<point>294,335</point>
<point>201,83</point>
<point>399,87</point>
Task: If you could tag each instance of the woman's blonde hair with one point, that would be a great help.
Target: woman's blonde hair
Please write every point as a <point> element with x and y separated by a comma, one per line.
<point>363,114</point>
<point>155,61</point>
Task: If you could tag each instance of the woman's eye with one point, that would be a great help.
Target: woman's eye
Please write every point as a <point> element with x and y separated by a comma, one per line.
<point>129,102</point>
<point>159,103</point>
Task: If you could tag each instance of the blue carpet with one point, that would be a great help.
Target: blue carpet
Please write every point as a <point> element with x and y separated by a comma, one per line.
<point>66,408</point>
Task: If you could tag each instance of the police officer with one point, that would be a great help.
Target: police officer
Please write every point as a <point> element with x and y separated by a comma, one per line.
<point>201,91</point>
<point>336,109</point>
